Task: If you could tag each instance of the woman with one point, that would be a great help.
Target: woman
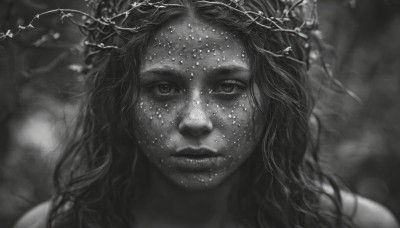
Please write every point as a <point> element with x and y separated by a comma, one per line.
<point>199,115</point>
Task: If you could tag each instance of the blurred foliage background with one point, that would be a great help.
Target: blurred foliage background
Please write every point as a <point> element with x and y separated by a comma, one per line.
<point>40,83</point>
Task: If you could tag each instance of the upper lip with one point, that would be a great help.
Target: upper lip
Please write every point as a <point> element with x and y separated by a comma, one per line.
<point>195,152</point>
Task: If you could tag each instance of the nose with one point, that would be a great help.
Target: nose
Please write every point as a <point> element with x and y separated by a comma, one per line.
<point>195,121</point>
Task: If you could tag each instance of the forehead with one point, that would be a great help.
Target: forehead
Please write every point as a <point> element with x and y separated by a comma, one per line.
<point>193,41</point>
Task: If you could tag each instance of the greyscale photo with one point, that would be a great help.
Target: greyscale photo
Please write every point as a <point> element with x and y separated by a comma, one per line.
<point>199,113</point>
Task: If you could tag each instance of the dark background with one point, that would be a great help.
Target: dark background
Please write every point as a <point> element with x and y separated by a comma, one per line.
<point>40,83</point>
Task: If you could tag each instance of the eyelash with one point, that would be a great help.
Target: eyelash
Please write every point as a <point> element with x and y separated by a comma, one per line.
<point>155,88</point>
<point>237,88</point>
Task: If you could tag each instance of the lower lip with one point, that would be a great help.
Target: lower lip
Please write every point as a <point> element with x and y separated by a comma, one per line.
<point>196,164</point>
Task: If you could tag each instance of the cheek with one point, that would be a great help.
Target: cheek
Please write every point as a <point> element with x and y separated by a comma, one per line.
<point>154,125</point>
<point>242,128</point>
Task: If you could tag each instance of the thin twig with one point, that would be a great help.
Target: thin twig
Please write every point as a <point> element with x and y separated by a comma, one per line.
<point>293,7</point>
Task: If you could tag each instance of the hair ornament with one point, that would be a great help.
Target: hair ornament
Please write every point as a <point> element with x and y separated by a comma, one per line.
<point>296,17</point>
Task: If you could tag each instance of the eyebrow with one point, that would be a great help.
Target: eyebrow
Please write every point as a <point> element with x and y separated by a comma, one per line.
<point>224,70</point>
<point>219,71</point>
<point>167,71</point>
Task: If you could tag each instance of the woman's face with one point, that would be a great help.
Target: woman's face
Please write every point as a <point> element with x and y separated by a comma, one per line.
<point>196,121</point>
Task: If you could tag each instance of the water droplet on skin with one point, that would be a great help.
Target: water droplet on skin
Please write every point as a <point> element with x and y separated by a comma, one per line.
<point>223,136</point>
<point>181,62</point>
<point>229,116</point>
<point>173,59</point>
<point>206,37</point>
<point>189,25</point>
<point>159,116</point>
<point>226,38</point>
<point>151,117</point>
<point>227,46</point>
<point>197,63</point>
<point>200,39</point>
<point>191,74</point>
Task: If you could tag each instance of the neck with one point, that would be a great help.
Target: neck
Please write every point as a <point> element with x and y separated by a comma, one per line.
<point>166,203</point>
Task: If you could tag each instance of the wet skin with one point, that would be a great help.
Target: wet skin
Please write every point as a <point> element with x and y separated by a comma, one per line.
<point>195,96</point>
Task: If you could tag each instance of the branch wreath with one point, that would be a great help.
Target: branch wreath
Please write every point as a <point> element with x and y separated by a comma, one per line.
<point>105,27</point>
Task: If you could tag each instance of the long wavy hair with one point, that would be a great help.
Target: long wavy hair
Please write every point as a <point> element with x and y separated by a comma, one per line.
<point>102,167</point>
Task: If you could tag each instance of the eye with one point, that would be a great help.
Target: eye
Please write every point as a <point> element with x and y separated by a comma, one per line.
<point>229,87</point>
<point>163,89</point>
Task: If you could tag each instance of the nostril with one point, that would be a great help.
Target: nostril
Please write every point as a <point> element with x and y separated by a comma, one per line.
<point>195,128</point>
<point>195,124</point>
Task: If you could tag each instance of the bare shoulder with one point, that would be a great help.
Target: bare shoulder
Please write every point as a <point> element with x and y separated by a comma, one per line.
<point>365,213</point>
<point>35,218</point>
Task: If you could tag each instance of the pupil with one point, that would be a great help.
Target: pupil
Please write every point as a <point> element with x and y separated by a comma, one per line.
<point>165,88</point>
<point>228,88</point>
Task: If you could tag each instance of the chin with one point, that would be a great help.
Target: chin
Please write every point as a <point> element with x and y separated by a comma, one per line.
<point>198,181</point>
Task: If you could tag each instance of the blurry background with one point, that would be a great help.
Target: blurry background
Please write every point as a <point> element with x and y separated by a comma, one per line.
<point>40,83</point>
